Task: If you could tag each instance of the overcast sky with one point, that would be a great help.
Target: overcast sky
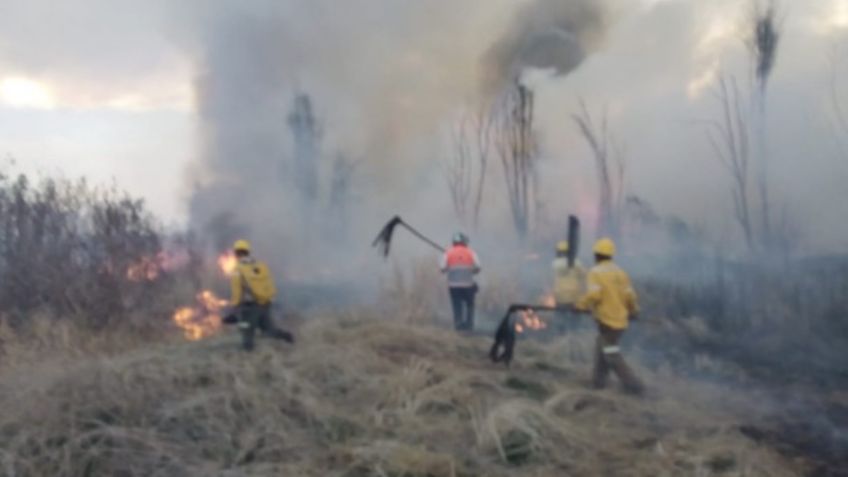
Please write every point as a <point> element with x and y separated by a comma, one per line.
<point>107,89</point>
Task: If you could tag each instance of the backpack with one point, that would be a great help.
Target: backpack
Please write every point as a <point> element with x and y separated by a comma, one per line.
<point>258,280</point>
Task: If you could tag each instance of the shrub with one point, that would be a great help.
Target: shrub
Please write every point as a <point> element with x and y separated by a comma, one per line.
<point>70,249</point>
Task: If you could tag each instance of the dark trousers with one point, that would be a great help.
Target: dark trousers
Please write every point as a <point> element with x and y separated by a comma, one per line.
<point>462,301</point>
<point>608,358</point>
<point>253,316</point>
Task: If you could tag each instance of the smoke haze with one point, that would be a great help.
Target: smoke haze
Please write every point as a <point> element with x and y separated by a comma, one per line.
<point>381,112</point>
<point>386,80</point>
<point>303,125</point>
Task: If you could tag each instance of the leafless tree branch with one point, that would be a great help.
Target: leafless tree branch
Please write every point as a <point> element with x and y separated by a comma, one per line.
<point>729,139</point>
<point>515,144</point>
<point>609,160</point>
<point>466,168</point>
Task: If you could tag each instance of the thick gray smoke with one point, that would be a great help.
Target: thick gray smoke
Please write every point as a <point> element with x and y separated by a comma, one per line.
<point>546,34</point>
<point>282,161</point>
<point>385,78</point>
<point>241,94</point>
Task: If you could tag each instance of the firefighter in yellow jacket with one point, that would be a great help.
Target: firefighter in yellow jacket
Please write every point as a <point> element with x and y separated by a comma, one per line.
<point>613,303</point>
<point>568,286</point>
<point>252,292</point>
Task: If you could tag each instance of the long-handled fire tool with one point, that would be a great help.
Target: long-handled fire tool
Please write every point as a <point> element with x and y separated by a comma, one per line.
<point>573,239</point>
<point>384,239</point>
<point>504,346</point>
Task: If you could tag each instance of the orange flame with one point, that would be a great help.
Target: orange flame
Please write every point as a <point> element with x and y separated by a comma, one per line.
<point>210,301</point>
<point>529,321</point>
<point>203,319</point>
<point>145,269</point>
<point>227,262</point>
<point>150,268</point>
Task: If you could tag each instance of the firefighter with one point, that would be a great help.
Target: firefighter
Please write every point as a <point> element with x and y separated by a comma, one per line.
<point>461,264</point>
<point>568,286</point>
<point>252,292</point>
<point>613,303</point>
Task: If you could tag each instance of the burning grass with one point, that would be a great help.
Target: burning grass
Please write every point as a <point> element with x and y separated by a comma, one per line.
<point>361,398</point>
<point>203,319</point>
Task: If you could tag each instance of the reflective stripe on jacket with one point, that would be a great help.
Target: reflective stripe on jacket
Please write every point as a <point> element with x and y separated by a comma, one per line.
<point>460,263</point>
<point>609,295</point>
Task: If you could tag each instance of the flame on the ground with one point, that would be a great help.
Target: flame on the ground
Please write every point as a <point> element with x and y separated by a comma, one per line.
<point>529,320</point>
<point>203,319</point>
<point>146,269</point>
<point>211,301</point>
<point>227,262</point>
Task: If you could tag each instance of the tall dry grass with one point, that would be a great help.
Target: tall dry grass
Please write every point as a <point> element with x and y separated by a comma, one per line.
<point>359,397</point>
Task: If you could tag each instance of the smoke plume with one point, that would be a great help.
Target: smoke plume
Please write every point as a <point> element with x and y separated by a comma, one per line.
<point>547,34</point>
<point>303,144</point>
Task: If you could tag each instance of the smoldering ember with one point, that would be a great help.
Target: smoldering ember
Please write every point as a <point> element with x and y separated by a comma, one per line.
<point>441,238</point>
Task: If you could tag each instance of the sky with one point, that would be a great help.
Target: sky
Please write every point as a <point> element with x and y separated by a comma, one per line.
<point>148,95</point>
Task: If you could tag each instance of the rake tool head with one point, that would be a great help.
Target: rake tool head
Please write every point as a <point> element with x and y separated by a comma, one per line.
<point>504,345</point>
<point>383,241</point>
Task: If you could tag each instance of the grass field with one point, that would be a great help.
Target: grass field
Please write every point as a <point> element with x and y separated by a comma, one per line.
<point>357,397</point>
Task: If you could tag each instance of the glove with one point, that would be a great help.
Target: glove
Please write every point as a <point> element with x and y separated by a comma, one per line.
<point>634,316</point>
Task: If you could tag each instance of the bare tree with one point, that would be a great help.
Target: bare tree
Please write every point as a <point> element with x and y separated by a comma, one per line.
<point>458,171</point>
<point>788,232</point>
<point>483,123</point>
<point>306,133</point>
<point>516,146</point>
<point>608,155</point>
<point>763,45</point>
<point>729,137</point>
<point>466,169</point>
<point>341,179</point>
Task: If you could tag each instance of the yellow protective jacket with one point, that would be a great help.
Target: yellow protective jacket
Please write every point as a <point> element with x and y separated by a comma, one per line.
<point>609,295</point>
<point>568,281</point>
<point>251,282</point>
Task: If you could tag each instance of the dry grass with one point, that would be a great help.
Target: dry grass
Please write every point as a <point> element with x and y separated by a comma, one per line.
<point>358,397</point>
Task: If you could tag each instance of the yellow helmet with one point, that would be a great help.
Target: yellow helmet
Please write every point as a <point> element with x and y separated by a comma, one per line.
<point>562,246</point>
<point>241,245</point>
<point>605,247</point>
